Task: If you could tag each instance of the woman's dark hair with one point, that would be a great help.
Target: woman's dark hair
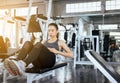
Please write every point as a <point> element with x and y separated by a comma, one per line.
<point>53,24</point>
<point>56,26</point>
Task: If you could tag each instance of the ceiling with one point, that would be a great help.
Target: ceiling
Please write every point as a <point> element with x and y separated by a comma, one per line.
<point>96,17</point>
<point>19,3</point>
<point>5,2</point>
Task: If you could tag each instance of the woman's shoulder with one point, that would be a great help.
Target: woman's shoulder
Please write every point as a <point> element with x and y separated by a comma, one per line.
<point>61,42</point>
<point>43,42</point>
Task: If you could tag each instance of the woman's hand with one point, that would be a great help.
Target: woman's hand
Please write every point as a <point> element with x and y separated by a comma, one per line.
<point>53,50</point>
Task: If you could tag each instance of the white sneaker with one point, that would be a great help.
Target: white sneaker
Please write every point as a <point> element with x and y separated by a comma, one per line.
<point>17,66</point>
<point>8,68</point>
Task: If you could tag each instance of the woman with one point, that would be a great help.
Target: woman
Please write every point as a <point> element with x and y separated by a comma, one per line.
<point>41,55</point>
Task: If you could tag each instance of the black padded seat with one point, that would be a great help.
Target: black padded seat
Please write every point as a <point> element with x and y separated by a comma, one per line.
<point>106,66</point>
<point>40,71</point>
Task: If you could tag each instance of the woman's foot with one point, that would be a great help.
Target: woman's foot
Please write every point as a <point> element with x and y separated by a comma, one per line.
<point>15,67</point>
<point>8,68</point>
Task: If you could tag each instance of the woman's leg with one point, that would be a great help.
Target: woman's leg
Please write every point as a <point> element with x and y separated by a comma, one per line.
<point>46,59</point>
<point>26,48</point>
<point>9,65</point>
<point>40,56</point>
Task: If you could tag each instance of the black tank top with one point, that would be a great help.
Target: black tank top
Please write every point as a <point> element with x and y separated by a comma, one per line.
<point>52,45</point>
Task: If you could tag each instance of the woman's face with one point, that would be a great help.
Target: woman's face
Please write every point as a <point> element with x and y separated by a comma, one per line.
<point>52,31</point>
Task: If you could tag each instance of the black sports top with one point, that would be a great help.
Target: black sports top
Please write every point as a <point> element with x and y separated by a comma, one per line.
<point>52,45</point>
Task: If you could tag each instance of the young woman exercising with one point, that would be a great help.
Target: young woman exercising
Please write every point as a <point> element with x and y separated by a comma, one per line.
<point>41,55</point>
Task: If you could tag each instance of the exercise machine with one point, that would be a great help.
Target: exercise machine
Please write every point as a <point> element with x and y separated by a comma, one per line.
<point>103,66</point>
<point>81,41</point>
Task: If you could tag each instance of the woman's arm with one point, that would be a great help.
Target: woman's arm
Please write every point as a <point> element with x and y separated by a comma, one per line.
<point>68,52</point>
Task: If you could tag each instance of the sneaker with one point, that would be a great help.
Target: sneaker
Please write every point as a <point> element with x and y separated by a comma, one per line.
<point>8,68</point>
<point>18,66</point>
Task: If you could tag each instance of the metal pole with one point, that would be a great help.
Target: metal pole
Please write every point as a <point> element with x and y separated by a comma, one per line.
<point>48,21</point>
<point>103,8</point>
<point>17,34</point>
<point>29,10</point>
<point>102,34</point>
<point>49,9</point>
<point>28,17</point>
<point>80,33</point>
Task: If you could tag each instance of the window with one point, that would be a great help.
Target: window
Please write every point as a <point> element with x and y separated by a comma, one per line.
<point>117,37</point>
<point>24,11</point>
<point>9,29</point>
<point>112,4</point>
<point>108,27</point>
<point>3,12</point>
<point>114,33</point>
<point>83,7</point>
<point>1,27</point>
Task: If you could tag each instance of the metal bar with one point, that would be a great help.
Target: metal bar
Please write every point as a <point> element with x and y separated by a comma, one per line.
<point>84,62</point>
<point>48,16</point>
<point>94,13</point>
<point>29,10</point>
<point>4,76</point>
<point>114,63</point>
<point>49,9</point>
<point>17,34</point>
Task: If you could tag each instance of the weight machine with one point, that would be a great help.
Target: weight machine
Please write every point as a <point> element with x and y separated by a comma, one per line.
<point>82,41</point>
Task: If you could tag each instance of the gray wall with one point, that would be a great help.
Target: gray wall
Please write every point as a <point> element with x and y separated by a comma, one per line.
<point>59,9</point>
<point>70,20</point>
<point>42,9</point>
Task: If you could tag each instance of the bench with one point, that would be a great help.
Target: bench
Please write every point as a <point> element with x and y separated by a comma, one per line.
<point>36,74</point>
<point>106,69</point>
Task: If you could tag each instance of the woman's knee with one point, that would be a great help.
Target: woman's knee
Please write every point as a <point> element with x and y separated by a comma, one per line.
<point>27,44</point>
<point>38,45</point>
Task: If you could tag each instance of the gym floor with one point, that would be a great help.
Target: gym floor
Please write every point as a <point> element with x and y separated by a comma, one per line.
<point>82,74</point>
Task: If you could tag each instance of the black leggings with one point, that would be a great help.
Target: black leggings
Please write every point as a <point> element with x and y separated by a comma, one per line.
<point>38,55</point>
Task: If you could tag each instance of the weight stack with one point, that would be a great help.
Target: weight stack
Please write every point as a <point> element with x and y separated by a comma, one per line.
<point>95,33</point>
<point>34,25</point>
<point>106,43</point>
